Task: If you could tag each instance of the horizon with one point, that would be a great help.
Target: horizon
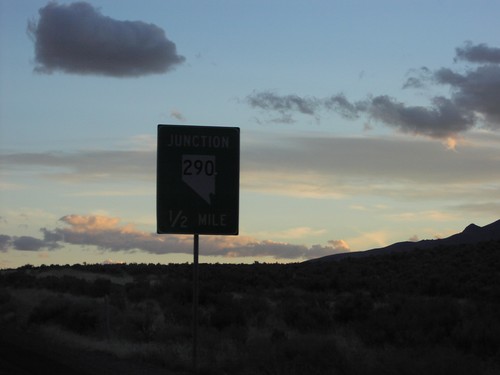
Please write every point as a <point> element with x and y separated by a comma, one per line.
<point>361,126</point>
<point>112,262</point>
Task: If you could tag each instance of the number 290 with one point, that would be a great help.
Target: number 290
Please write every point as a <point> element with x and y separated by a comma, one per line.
<point>197,167</point>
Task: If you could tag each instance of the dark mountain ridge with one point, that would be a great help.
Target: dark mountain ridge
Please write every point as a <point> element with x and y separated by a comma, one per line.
<point>470,235</point>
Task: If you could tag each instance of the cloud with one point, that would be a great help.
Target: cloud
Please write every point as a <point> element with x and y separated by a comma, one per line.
<point>332,247</point>
<point>319,164</point>
<point>106,233</point>
<point>294,233</point>
<point>109,234</point>
<point>389,184</point>
<point>25,243</point>
<point>442,119</point>
<point>77,38</point>
<point>339,245</point>
<point>480,53</point>
<point>428,216</point>
<point>473,100</point>
<point>476,91</point>
<point>89,165</point>
<point>177,115</point>
<point>270,101</point>
<point>481,208</point>
<point>342,106</point>
<point>418,78</point>
<point>5,242</point>
<point>316,166</point>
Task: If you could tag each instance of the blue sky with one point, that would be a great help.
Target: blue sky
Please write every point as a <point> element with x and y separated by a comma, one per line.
<point>362,123</point>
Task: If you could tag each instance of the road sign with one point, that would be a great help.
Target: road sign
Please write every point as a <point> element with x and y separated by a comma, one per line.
<point>198,178</point>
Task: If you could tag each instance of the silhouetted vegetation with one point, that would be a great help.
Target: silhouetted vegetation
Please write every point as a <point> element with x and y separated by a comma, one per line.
<point>422,312</point>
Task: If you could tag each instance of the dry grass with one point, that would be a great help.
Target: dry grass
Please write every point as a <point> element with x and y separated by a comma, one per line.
<point>298,329</point>
<point>164,354</point>
<point>85,275</point>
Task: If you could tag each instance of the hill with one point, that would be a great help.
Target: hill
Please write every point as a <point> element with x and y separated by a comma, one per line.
<point>472,234</point>
<point>432,311</point>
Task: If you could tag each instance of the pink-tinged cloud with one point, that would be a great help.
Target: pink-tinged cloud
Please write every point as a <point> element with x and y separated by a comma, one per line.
<point>109,234</point>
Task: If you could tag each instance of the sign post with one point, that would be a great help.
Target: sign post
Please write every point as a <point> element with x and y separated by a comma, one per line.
<point>196,252</point>
<point>197,188</point>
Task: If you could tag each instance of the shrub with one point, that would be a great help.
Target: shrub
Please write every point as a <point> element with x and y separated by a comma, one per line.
<point>228,312</point>
<point>353,306</point>
<point>303,354</point>
<point>145,320</point>
<point>80,317</point>
<point>5,296</point>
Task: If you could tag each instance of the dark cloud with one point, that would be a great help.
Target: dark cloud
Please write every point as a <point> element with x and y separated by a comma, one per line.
<point>26,243</point>
<point>480,53</point>
<point>177,115</point>
<point>473,100</point>
<point>5,242</point>
<point>342,106</point>
<point>270,101</point>
<point>286,105</point>
<point>77,38</point>
<point>441,120</point>
<point>418,78</point>
<point>477,91</point>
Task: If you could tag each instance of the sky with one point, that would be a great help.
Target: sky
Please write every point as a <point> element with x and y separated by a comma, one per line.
<point>362,123</point>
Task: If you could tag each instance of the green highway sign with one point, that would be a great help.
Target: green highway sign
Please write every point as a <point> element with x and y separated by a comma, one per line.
<point>198,178</point>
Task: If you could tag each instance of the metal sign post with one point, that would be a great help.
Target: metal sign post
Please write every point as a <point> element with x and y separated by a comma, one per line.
<point>197,189</point>
<point>195,302</point>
